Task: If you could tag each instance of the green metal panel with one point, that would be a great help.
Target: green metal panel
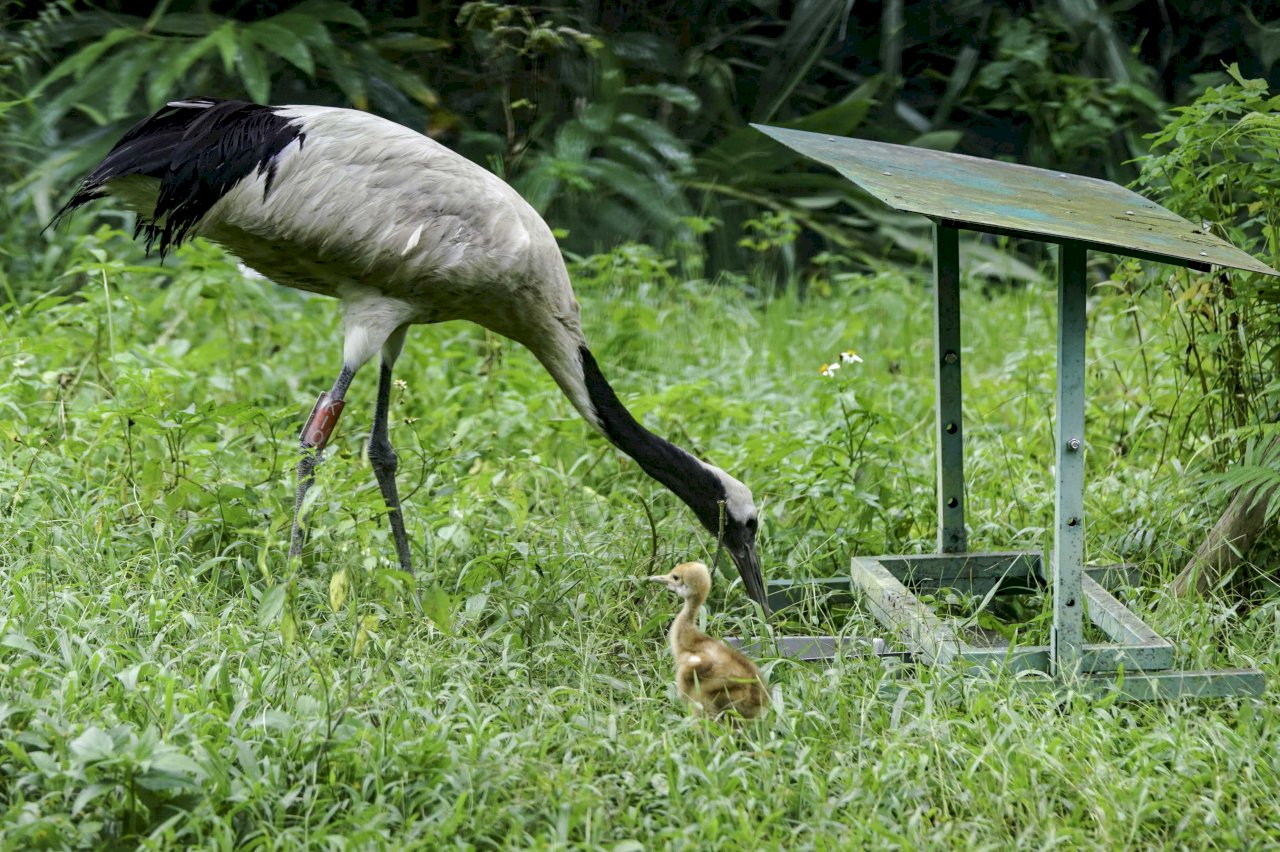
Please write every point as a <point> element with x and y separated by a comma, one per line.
<point>928,637</point>
<point>785,593</point>
<point>1013,571</point>
<point>946,336</point>
<point>1094,657</point>
<point>1068,493</point>
<point>813,648</point>
<point>1115,619</point>
<point>1121,575</point>
<point>1153,686</point>
<point>1007,198</point>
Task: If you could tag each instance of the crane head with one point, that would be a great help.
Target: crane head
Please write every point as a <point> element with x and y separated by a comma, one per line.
<point>733,518</point>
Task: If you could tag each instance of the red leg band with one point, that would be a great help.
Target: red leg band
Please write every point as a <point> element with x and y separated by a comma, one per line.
<point>324,417</point>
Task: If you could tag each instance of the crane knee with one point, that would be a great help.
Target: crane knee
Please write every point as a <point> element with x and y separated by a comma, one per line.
<point>321,423</point>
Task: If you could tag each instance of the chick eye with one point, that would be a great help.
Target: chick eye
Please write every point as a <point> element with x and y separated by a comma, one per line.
<point>675,576</point>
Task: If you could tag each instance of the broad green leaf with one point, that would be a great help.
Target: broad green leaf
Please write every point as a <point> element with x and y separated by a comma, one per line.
<point>95,115</point>
<point>573,142</point>
<point>347,78</point>
<point>658,202</point>
<point>92,745</point>
<point>438,606</point>
<point>841,118</point>
<point>636,154</point>
<point>288,628</point>
<point>306,27</point>
<point>80,61</point>
<point>187,24</point>
<point>89,793</point>
<point>938,140</point>
<point>272,603</point>
<point>174,762</point>
<point>332,10</point>
<point>22,643</point>
<point>88,90</point>
<point>746,152</point>
<point>338,589</point>
<point>129,677</point>
<point>402,42</point>
<point>283,43</point>
<point>124,83</point>
<point>253,73</point>
<point>598,117</point>
<point>368,626</point>
<point>647,50</point>
<point>161,85</point>
<point>660,139</point>
<point>669,92</point>
<point>225,37</point>
<point>406,81</point>
<point>539,185</point>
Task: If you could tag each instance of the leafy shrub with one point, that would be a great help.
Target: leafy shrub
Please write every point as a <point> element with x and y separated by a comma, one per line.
<point>1215,162</point>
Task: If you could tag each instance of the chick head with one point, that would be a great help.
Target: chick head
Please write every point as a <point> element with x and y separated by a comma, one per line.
<point>687,578</point>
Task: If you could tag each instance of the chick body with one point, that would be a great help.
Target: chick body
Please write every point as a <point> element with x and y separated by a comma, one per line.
<point>712,676</point>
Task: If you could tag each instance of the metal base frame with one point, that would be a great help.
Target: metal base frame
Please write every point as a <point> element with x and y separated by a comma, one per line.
<point>1135,664</point>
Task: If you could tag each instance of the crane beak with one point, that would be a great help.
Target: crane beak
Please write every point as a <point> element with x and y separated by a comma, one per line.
<point>749,568</point>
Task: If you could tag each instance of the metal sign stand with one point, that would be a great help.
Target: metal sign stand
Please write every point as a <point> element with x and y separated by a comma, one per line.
<point>1078,214</point>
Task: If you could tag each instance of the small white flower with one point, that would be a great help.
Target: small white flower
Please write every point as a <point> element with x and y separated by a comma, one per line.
<point>829,370</point>
<point>400,384</point>
<point>850,357</point>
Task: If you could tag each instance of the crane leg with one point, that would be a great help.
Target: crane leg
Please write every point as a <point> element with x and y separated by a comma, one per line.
<point>384,462</point>
<point>315,435</point>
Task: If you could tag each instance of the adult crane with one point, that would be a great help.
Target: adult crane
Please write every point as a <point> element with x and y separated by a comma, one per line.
<point>401,230</point>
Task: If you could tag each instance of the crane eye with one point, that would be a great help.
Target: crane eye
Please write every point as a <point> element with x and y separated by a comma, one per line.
<point>752,523</point>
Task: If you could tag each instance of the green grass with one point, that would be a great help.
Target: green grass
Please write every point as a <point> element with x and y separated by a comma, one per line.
<point>166,679</point>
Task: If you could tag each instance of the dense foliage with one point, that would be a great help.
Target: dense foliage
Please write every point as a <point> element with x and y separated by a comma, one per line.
<point>1215,161</point>
<point>630,118</point>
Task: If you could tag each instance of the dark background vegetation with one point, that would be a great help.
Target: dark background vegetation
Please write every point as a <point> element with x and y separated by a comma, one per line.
<point>630,118</point>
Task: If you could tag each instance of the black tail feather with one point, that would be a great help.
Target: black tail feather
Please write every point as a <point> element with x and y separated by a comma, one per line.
<point>198,149</point>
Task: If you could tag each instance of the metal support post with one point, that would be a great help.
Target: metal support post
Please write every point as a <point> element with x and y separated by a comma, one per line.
<point>1068,496</point>
<point>946,324</point>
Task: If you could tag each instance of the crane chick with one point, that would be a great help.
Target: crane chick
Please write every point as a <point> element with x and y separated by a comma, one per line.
<point>715,678</point>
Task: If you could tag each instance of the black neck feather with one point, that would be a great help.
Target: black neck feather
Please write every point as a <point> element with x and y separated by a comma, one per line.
<point>684,475</point>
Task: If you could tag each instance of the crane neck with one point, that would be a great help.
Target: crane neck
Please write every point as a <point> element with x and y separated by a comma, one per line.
<point>685,475</point>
